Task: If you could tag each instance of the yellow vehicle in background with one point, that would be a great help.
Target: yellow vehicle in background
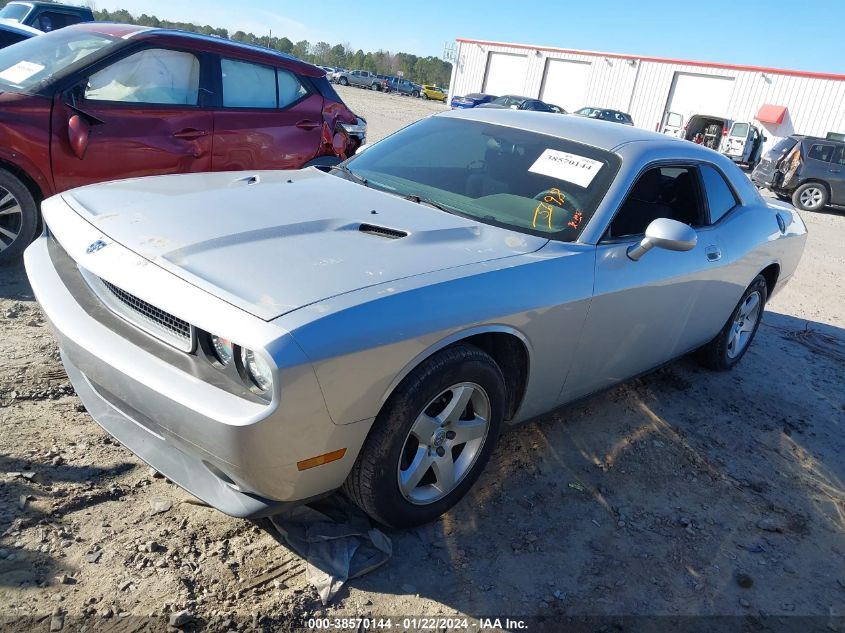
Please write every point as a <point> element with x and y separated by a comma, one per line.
<point>429,91</point>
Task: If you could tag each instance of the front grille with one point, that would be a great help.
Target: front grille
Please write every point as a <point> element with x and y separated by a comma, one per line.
<point>143,315</point>
<point>150,313</point>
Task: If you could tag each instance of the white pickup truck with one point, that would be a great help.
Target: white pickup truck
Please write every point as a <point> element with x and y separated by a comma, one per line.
<point>362,79</point>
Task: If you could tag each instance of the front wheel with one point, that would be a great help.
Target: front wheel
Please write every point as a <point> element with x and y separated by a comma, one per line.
<point>810,196</point>
<point>424,96</point>
<point>18,217</point>
<point>431,440</point>
<point>343,81</point>
<point>726,350</point>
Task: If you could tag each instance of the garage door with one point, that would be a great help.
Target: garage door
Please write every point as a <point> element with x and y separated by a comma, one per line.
<point>565,83</point>
<point>505,74</point>
<point>700,94</point>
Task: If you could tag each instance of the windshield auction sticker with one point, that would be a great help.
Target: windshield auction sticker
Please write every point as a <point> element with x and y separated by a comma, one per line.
<point>572,168</point>
<point>20,72</point>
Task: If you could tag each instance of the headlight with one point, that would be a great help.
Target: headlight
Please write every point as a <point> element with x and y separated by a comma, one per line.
<point>258,370</point>
<point>223,349</point>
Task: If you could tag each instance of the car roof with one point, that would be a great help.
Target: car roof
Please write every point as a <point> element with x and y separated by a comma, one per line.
<point>217,44</point>
<point>600,134</point>
<point>11,25</point>
<point>51,5</point>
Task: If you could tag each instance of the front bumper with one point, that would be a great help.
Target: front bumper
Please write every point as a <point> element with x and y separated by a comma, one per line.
<point>237,454</point>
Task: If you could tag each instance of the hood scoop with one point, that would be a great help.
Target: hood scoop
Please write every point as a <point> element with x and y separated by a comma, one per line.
<point>382,231</point>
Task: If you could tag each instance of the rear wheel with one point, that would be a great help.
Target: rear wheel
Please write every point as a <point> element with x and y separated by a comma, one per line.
<point>431,440</point>
<point>415,94</point>
<point>726,350</point>
<point>810,196</point>
<point>18,217</point>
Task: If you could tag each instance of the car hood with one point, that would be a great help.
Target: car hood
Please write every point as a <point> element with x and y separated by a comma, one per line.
<point>272,242</point>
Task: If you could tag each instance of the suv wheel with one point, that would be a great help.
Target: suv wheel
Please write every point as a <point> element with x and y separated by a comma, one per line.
<point>343,81</point>
<point>431,439</point>
<point>18,217</point>
<point>415,94</point>
<point>810,196</point>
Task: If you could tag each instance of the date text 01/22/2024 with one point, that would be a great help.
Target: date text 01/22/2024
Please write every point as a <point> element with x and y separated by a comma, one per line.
<point>413,624</point>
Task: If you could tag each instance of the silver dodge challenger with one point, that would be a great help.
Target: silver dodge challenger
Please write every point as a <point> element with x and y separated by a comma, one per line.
<point>265,338</point>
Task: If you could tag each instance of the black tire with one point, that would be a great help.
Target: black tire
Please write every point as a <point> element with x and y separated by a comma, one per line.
<point>374,87</point>
<point>716,354</point>
<point>783,196</point>
<point>415,94</point>
<point>424,96</point>
<point>373,483</point>
<point>21,225</point>
<point>343,81</point>
<point>811,196</point>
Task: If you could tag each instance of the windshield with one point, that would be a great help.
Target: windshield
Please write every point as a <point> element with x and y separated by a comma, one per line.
<point>521,180</point>
<point>25,65</point>
<point>15,12</point>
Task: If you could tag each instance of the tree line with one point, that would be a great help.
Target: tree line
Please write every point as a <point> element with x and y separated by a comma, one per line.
<point>429,70</point>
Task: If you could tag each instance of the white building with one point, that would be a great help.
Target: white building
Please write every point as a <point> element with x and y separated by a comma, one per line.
<point>649,88</point>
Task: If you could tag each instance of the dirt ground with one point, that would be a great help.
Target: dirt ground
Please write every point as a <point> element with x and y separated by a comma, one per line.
<point>684,493</point>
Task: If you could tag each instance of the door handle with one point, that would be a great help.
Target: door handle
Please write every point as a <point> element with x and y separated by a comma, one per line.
<point>305,124</point>
<point>190,134</point>
<point>714,254</point>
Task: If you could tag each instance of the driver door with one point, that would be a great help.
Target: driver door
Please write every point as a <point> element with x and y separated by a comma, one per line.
<point>644,313</point>
<point>138,116</point>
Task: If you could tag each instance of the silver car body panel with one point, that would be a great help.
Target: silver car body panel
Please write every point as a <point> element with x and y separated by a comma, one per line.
<point>342,317</point>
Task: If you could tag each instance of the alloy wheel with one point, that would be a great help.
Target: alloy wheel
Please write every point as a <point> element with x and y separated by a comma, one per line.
<point>811,197</point>
<point>444,443</point>
<point>11,219</point>
<point>744,324</point>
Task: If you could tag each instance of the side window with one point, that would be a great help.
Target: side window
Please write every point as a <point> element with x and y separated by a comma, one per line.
<point>839,156</point>
<point>720,198</point>
<point>660,192</point>
<point>290,88</point>
<point>247,85</point>
<point>150,76</point>
<point>821,152</point>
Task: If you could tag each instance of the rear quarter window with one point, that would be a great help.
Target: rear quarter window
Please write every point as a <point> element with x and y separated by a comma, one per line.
<point>720,198</point>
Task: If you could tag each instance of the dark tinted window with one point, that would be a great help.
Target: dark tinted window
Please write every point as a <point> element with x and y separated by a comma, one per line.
<point>821,152</point>
<point>839,156</point>
<point>661,192</point>
<point>720,198</point>
<point>51,20</point>
<point>7,38</point>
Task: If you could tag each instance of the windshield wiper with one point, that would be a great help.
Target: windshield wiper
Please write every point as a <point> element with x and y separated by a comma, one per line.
<point>421,200</point>
<point>343,168</point>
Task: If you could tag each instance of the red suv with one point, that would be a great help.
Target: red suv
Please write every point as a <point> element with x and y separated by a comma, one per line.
<point>99,101</point>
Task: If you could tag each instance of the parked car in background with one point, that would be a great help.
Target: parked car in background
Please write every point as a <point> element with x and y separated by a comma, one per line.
<point>430,91</point>
<point>12,33</point>
<point>471,100</point>
<point>46,16</point>
<point>606,114</point>
<point>741,141</point>
<point>744,144</point>
<point>808,170</point>
<point>402,86</point>
<point>362,79</point>
<point>101,101</point>
<point>515,102</point>
<point>255,359</point>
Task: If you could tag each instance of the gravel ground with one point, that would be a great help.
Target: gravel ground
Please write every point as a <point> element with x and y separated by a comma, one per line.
<point>681,493</point>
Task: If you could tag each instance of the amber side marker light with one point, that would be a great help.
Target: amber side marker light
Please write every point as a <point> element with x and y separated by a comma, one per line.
<point>311,462</point>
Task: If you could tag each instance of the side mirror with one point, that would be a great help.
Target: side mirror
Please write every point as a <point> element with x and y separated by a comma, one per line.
<point>665,233</point>
<point>77,132</point>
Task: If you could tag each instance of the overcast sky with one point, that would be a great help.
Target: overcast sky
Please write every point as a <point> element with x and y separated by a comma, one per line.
<point>794,34</point>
